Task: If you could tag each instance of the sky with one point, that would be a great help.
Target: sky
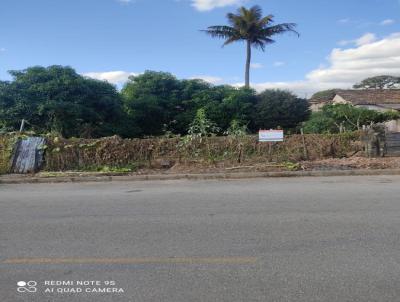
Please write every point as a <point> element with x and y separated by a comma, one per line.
<point>341,42</point>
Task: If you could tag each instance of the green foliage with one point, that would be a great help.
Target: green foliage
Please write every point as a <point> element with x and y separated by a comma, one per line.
<point>58,99</point>
<point>334,118</point>
<point>202,126</point>
<point>291,166</point>
<point>112,169</point>
<point>390,115</point>
<point>379,82</point>
<point>279,108</point>
<point>250,26</point>
<point>7,145</point>
<point>158,103</point>
<point>236,129</point>
<point>319,122</point>
<point>225,103</point>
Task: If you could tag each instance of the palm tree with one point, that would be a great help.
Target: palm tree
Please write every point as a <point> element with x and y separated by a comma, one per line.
<point>250,26</point>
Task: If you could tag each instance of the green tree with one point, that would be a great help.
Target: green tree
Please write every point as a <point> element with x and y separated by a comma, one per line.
<point>250,26</point>
<point>236,129</point>
<point>379,82</point>
<point>202,126</point>
<point>280,108</point>
<point>56,98</point>
<point>319,122</point>
<point>334,118</point>
<point>157,101</point>
<point>225,103</point>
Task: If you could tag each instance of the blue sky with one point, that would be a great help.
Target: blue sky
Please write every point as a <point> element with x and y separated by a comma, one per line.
<point>340,40</point>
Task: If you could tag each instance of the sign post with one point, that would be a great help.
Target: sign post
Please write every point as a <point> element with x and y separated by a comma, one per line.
<point>271,136</point>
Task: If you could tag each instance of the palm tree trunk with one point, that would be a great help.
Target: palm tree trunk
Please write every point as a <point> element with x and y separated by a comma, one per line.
<point>248,60</point>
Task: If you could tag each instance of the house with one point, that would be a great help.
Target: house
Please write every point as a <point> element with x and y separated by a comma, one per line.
<point>380,100</point>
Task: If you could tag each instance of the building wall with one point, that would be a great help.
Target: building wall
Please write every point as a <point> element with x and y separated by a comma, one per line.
<point>315,107</point>
<point>374,107</point>
<point>393,126</point>
<point>339,100</point>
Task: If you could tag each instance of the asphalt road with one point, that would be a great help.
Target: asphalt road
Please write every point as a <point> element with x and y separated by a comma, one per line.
<point>297,239</point>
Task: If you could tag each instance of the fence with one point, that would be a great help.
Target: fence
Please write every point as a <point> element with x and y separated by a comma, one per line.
<point>378,141</point>
<point>114,151</point>
<point>83,154</point>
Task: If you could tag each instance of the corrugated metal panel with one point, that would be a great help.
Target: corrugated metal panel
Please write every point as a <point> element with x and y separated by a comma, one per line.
<point>393,144</point>
<point>28,155</point>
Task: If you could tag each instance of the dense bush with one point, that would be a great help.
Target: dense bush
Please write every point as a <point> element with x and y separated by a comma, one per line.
<point>277,108</point>
<point>157,102</point>
<point>57,99</point>
<point>334,118</point>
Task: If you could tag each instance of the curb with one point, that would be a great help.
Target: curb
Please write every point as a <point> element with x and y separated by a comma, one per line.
<point>204,176</point>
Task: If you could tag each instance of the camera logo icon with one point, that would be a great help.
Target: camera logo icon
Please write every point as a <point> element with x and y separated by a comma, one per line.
<point>26,287</point>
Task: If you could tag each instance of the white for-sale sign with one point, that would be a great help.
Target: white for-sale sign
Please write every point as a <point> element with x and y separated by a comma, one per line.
<point>271,136</point>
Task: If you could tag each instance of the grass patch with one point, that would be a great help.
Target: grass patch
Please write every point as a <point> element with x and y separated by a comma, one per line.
<point>111,169</point>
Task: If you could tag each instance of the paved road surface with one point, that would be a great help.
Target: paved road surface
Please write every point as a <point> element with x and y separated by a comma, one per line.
<point>299,239</point>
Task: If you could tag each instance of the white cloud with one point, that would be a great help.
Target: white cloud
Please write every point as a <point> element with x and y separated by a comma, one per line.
<point>114,77</point>
<point>256,65</point>
<point>387,22</point>
<point>345,42</point>
<point>206,5</point>
<point>279,63</point>
<point>365,39</point>
<point>209,79</point>
<point>348,66</point>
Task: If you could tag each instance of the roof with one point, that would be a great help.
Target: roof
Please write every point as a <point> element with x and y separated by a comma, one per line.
<point>362,96</point>
<point>371,97</point>
<point>390,106</point>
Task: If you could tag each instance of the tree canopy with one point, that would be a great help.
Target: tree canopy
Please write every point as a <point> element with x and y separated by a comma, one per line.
<point>250,26</point>
<point>157,102</point>
<point>379,82</point>
<point>58,99</point>
<point>334,118</point>
<point>279,108</point>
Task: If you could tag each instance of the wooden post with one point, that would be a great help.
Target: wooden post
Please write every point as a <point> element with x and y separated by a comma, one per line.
<point>21,129</point>
<point>240,147</point>
<point>269,151</point>
<point>305,151</point>
<point>150,154</point>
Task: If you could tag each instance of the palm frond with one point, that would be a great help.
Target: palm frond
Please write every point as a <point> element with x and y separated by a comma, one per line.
<point>279,29</point>
<point>266,20</point>
<point>249,24</point>
<point>236,21</point>
<point>221,31</point>
<point>224,32</point>
<point>258,44</point>
<point>255,12</point>
<point>231,40</point>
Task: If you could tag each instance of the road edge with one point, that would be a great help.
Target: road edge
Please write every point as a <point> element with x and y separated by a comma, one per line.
<point>202,176</point>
